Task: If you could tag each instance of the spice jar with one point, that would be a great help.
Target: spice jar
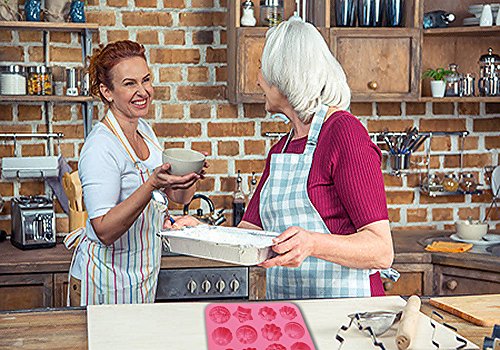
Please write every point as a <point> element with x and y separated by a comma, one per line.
<point>450,183</point>
<point>40,80</point>
<point>13,80</point>
<point>468,183</point>
<point>272,12</point>
<point>432,183</point>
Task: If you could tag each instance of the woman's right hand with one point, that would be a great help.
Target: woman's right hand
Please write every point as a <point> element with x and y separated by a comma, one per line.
<point>162,179</point>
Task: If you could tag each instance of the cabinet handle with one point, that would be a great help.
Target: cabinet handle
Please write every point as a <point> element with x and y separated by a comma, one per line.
<point>388,286</point>
<point>451,284</point>
<point>373,85</point>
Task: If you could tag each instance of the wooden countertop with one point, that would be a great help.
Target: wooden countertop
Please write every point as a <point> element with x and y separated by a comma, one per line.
<point>58,259</point>
<point>406,247</point>
<point>61,329</point>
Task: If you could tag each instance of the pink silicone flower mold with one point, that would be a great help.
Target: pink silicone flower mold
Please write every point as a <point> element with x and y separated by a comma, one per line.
<point>294,330</point>
<point>219,314</point>
<point>275,347</point>
<point>288,312</point>
<point>243,314</point>
<point>267,313</point>
<point>246,335</point>
<point>300,346</point>
<point>271,332</point>
<point>222,336</point>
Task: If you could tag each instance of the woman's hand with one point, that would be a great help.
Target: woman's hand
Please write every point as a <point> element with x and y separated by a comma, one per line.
<point>180,222</point>
<point>160,178</point>
<point>293,246</point>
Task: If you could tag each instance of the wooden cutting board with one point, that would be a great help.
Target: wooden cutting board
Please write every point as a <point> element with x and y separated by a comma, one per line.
<point>483,310</point>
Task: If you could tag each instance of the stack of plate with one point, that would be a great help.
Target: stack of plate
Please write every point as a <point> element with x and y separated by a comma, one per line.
<point>476,10</point>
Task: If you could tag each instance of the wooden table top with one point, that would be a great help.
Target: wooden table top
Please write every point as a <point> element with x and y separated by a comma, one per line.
<point>63,329</point>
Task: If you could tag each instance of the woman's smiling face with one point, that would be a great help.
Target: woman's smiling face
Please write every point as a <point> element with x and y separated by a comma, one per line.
<point>131,91</point>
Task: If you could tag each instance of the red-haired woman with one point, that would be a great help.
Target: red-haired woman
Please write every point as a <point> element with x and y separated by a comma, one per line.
<point>118,257</point>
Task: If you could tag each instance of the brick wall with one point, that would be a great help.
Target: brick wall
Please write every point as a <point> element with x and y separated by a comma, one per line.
<point>186,47</point>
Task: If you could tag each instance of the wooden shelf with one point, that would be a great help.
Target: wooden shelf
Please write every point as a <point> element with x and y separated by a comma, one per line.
<point>29,98</point>
<point>495,99</point>
<point>463,31</point>
<point>49,26</point>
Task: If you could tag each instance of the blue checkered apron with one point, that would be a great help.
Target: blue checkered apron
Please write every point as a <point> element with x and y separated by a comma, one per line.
<point>284,202</point>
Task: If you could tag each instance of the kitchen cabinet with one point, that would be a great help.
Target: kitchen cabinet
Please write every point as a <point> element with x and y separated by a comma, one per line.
<point>85,30</point>
<point>27,291</point>
<point>60,290</point>
<point>414,279</point>
<point>379,64</point>
<point>460,281</point>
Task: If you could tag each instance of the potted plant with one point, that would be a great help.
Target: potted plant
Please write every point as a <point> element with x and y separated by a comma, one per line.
<point>438,84</point>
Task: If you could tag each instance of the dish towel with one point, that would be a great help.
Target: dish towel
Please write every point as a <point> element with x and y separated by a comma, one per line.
<point>448,247</point>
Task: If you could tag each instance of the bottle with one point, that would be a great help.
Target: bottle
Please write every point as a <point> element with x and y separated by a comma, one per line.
<point>248,18</point>
<point>238,201</point>
<point>253,185</point>
<point>453,82</point>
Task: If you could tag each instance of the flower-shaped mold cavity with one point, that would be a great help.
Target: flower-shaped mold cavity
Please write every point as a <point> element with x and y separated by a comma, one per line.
<point>219,314</point>
<point>276,346</point>
<point>250,349</point>
<point>246,335</point>
<point>271,332</point>
<point>288,312</point>
<point>267,313</point>
<point>222,336</point>
<point>294,330</point>
<point>300,346</point>
<point>243,314</point>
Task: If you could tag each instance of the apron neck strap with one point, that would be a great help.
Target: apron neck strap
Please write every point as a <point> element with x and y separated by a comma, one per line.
<point>316,125</point>
<point>116,129</point>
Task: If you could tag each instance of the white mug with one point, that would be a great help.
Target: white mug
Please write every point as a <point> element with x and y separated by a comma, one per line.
<point>486,19</point>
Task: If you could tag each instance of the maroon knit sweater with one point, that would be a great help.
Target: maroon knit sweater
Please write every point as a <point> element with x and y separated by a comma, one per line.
<point>345,183</point>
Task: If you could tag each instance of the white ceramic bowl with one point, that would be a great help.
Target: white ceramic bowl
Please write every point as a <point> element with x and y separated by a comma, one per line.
<point>473,231</point>
<point>183,161</point>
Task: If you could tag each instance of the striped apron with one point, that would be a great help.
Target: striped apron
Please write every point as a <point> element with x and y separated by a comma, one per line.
<point>284,202</point>
<point>126,271</point>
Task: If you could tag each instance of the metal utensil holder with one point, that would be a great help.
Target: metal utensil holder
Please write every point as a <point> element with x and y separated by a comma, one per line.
<point>399,162</point>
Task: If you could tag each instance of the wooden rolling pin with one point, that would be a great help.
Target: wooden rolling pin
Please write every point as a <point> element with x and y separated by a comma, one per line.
<point>409,322</point>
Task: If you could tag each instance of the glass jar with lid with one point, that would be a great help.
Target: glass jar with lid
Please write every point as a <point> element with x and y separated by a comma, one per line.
<point>450,183</point>
<point>40,80</point>
<point>272,12</point>
<point>453,85</point>
<point>13,80</point>
<point>432,183</point>
<point>468,183</point>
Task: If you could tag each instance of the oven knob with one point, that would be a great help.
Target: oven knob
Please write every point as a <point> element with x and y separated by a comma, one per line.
<point>206,285</point>
<point>220,285</point>
<point>234,285</point>
<point>191,286</point>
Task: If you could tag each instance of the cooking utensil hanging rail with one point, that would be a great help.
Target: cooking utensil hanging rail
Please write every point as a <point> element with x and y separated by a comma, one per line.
<point>57,135</point>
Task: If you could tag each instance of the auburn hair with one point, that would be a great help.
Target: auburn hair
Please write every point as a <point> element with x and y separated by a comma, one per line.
<point>105,58</point>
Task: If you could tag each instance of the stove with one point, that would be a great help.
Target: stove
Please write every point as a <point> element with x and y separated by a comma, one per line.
<point>202,283</point>
<point>33,222</point>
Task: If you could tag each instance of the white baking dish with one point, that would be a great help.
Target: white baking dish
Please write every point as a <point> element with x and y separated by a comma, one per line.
<point>228,244</point>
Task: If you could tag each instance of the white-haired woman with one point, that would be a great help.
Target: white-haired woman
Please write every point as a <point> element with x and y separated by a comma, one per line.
<point>322,186</point>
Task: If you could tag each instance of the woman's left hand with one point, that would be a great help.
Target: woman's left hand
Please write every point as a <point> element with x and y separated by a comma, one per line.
<point>293,246</point>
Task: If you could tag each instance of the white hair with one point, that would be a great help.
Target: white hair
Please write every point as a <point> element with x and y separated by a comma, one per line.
<point>297,60</point>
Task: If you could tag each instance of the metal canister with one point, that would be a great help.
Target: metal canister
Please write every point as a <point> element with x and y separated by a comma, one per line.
<point>468,85</point>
